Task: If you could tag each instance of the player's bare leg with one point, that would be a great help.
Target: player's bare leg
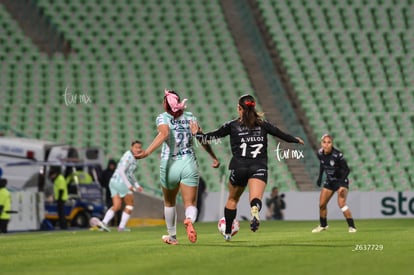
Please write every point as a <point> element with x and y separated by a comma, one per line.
<point>230,209</point>
<point>170,215</point>
<point>342,195</point>
<point>324,197</point>
<point>129,206</point>
<point>110,213</point>
<point>256,190</point>
<point>189,195</point>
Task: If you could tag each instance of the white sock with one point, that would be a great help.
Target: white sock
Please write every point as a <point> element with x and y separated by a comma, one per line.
<point>171,220</point>
<point>124,219</point>
<point>108,216</point>
<point>191,213</point>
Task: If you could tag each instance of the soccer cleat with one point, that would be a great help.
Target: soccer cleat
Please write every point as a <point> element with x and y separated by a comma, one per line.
<point>227,237</point>
<point>352,230</point>
<point>319,229</point>
<point>255,221</point>
<point>120,229</point>
<point>102,226</point>
<point>169,239</point>
<point>191,233</point>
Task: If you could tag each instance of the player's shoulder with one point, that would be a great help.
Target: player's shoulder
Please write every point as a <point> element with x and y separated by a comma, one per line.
<point>127,155</point>
<point>320,152</point>
<point>163,118</point>
<point>337,153</point>
<point>232,122</point>
<point>188,113</point>
<point>266,122</point>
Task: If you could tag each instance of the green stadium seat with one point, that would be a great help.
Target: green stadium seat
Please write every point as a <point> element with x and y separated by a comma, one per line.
<point>127,61</point>
<point>361,62</point>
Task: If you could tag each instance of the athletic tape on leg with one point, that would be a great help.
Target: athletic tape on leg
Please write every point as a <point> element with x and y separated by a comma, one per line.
<point>344,208</point>
<point>130,207</point>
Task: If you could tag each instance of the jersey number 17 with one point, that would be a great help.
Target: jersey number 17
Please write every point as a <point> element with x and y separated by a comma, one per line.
<point>254,153</point>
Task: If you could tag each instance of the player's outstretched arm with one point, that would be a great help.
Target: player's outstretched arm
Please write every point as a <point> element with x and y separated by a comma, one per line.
<point>163,132</point>
<point>195,128</point>
<point>209,150</point>
<point>300,141</point>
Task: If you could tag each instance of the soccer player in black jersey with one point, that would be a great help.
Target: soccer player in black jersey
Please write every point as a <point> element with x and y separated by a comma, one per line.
<point>333,163</point>
<point>248,166</point>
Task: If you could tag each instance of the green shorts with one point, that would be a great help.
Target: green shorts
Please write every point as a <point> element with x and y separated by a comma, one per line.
<point>174,172</point>
<point>118,188</point>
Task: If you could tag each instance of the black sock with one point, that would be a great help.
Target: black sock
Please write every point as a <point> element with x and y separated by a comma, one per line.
<point>256,202</point>
<point>350,222</point>
<point>323,222</point>
<point>229,215</point>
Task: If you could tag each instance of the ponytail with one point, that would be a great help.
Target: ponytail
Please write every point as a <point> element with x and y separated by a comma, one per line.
<point>250,117</point>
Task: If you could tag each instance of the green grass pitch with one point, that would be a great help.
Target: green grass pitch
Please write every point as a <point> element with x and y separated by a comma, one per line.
<point>279,247</point>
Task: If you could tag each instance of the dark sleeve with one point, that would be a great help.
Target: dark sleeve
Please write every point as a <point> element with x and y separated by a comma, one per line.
<point>320,173</point>
<point>268,202</point>
<point>1,209</point>
<point>343,169</point>
<point>60,195</point>
<point>319,180</point>
<point>223,131</point>
<point>274,131</point>
<point>201,185</point>
<point>282,204</point>
<point>100,177</point>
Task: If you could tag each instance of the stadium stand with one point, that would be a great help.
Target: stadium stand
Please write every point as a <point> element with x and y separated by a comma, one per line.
<point>351,65</point>
<point>109,90</point>
<point>267,81</point>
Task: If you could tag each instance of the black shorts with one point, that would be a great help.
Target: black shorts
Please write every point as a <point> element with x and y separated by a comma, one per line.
<point>240,176</point>
<point>334,185</point>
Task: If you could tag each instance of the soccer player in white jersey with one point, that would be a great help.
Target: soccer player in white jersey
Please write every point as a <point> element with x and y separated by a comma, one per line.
<point>122,185</point>
<point>178,168</point>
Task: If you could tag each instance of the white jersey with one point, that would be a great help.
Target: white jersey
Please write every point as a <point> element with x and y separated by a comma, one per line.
<point>179,144</point>
<point>125,169</point>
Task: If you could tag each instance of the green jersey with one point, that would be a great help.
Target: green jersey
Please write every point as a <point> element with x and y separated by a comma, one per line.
<point>179,144</point>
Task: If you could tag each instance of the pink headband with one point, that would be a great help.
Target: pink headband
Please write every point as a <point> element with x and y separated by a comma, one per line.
<point>172,100</point>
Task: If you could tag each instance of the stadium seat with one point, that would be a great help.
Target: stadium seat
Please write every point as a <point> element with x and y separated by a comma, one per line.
<point>359,76</point>
<point>352,75</point>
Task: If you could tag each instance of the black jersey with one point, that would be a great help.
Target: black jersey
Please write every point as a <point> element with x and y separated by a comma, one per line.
<point>334,165</point>
<point>247,145</point>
